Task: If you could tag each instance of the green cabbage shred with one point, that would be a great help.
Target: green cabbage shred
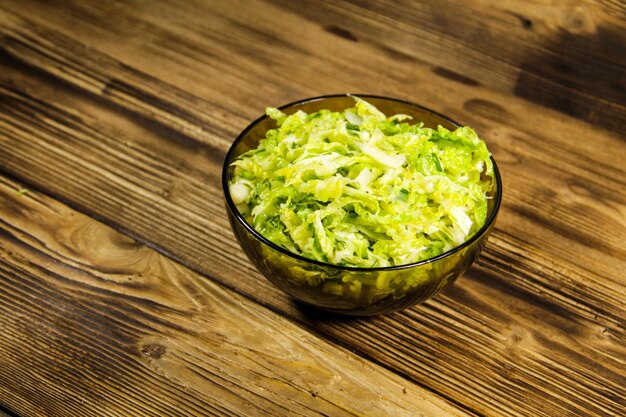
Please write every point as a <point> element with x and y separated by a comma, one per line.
<point>360,189</point>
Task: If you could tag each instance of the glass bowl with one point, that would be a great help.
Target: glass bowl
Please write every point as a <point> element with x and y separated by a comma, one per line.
<point>351,290</point>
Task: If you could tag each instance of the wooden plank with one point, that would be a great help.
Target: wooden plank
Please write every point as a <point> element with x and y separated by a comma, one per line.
<point>498,356</point>
<point>546,154</point>
<point>568,55</point>
<point>97,324</point>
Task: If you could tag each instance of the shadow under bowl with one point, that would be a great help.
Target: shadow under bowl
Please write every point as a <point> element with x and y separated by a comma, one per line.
<point>351,290</point>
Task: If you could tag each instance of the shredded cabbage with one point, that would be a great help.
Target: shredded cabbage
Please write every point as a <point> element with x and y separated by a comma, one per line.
<point>358,188</point>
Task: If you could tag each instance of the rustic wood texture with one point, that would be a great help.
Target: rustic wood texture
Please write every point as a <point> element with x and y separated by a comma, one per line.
<point>125,111</point>
<point>110,327</point>
<point>569,55</point>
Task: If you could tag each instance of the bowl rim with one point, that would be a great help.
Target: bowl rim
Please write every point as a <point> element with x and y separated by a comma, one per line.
<point>235,212</point>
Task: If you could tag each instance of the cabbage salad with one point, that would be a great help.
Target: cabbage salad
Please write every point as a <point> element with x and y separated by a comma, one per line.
<point>360,189</point>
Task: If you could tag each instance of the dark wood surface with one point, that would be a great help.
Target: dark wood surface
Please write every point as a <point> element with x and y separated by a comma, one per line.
<point>123,290</point>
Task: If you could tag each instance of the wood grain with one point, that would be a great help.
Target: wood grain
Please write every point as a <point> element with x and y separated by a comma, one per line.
<point>538,327</point>
<point>110,327</point>
<point>568,55</point>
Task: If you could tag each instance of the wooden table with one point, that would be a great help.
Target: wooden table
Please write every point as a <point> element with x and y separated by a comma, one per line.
<point>124,293</point>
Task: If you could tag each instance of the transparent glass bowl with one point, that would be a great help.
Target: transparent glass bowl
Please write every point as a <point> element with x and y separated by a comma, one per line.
<point>350,290</point>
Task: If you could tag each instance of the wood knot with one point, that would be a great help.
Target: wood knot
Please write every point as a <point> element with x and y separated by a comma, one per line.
<point>455,76</point>
<point>518,338</point>
<point>341,32</point>
<point>487,109</point>
<point>154,351</point>
<point>578,21</point>
<point>524,21</point>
